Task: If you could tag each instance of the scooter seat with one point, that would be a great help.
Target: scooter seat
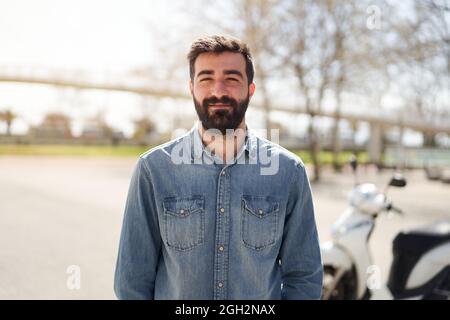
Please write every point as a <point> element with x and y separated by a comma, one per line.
<point>409,247</point>
<point>441,228</point>
<point>420,240</point>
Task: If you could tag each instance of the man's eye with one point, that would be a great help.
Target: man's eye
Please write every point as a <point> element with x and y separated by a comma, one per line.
<point>232,79</point>
<point>204,79</point>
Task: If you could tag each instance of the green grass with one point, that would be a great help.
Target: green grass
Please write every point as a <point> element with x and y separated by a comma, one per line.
<point>134,151</point>
<point>326,157</point>
<point>68,150</point>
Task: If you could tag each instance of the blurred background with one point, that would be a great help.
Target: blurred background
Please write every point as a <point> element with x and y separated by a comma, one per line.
<point>87,86</point>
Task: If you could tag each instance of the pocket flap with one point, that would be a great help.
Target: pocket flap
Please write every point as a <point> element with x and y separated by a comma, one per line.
<point>183,207</point>
<point>260,206</point>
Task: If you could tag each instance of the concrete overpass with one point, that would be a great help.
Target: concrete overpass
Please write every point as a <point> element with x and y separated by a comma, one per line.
<point>377,124</point>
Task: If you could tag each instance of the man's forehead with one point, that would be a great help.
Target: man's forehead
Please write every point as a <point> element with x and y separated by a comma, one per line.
<point>220,61</point>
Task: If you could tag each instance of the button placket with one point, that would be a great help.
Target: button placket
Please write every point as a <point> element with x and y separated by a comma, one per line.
<point>222,235</point>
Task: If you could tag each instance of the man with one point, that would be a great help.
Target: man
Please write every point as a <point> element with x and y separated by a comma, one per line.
<point>203,219</point>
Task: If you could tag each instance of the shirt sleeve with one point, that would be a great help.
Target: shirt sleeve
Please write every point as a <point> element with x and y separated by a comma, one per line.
<point>140,240</point>
<point>301,263</point>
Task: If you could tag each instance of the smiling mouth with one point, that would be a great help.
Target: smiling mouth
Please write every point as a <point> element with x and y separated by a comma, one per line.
<point>219,105</point>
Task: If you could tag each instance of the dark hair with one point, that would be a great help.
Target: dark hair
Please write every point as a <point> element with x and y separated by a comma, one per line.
<point>219,44</point>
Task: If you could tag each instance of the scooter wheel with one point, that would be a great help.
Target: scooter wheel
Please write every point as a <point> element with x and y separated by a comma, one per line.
<point>343,288</point>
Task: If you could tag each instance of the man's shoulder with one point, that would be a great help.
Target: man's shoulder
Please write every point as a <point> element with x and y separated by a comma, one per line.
<point>165,151</point>
<point>287,158</point>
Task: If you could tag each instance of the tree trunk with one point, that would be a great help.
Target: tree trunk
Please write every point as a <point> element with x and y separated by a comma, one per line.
<point>314,148</point>
<point>336,134</point>
<point>428,139</point>
<point>337,166</point>
<point>8,128</point>
<point>266,101</point>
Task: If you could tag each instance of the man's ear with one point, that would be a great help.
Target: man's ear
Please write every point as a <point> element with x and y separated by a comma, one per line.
<point>251,89</point>
<point>191,87</point>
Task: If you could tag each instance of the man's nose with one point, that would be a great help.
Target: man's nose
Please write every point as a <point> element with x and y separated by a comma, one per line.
<point>219,89</point>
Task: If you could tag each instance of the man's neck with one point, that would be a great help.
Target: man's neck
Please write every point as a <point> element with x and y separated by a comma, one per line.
<point>225,146</point>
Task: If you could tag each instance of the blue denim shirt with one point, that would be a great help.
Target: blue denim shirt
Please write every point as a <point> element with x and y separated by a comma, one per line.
<point>194,228</point>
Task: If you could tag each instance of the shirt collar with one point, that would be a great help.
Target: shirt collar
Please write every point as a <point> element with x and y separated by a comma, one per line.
<point>198,148</point>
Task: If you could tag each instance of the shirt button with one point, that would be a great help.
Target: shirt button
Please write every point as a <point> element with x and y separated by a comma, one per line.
<point>222,210</point>
<point>223,172</point>
<point>260,211</point>
<point>181,211</point>
<point>221,248</point>
<point>220,284</point>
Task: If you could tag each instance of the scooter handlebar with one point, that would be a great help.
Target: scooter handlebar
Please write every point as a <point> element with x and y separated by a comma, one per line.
<point>391,207</point>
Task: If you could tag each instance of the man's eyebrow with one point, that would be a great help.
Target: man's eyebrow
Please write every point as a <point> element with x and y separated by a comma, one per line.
<point>236,72</point>
<point>209,72</point>
<point>226,72</point>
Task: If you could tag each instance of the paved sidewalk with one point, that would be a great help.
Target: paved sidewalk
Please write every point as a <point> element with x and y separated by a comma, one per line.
<point>56,212</point>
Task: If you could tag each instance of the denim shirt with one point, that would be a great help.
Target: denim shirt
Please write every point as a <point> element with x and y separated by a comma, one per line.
<point>195,228</point>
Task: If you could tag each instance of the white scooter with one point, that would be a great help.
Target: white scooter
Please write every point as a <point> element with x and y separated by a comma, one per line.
<point>421,257</point>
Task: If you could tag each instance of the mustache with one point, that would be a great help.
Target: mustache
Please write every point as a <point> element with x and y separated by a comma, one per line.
<point>223,100</point>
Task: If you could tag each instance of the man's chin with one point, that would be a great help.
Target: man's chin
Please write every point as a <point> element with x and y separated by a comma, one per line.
<point>222,111</point>
<point>222,127</point>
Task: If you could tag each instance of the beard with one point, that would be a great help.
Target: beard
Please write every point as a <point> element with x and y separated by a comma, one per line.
<point>221,119</point>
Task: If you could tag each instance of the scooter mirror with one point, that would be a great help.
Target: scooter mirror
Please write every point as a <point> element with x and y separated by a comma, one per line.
<point>397,181</point>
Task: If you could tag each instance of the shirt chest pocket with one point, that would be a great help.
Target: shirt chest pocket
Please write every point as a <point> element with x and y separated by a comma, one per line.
<point>260,217</point>
<point>184,222</point>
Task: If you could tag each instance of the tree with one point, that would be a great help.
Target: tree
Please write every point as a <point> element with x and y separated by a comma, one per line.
<point>420,53</point>
<point>256,22</point>
<point>313,49</point>
<point>144,127</point>
<point>54,125</point>
<point>8,116</point>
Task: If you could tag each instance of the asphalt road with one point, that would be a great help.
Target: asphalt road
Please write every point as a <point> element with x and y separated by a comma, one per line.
<point>57,212</point>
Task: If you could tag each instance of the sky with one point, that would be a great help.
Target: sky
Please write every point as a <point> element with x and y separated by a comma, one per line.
<point>78,34</point>
<point>102,37</point>
<point>99,36</point>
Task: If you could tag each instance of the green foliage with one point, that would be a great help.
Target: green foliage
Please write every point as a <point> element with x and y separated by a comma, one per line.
<point>325,157</point>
